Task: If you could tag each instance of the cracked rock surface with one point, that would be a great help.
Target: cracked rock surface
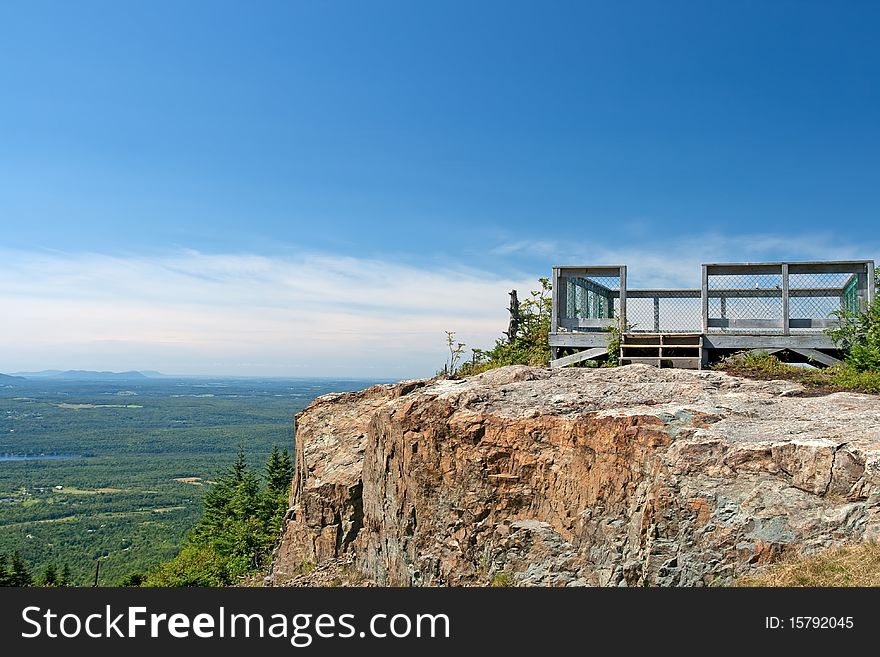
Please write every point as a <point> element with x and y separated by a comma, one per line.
<point>608,477</point>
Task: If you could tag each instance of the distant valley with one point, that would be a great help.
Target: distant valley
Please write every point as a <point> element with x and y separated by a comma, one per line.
<point>100,466</point>
<point>84,375</point>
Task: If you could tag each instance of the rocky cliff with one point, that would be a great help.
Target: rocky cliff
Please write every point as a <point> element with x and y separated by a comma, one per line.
<point>610,477</point>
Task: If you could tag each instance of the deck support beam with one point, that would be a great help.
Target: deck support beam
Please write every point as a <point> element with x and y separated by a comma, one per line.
<point>816,355</point>
<point>578,357</point>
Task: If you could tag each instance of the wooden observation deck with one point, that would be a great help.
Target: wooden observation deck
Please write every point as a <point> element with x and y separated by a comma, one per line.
<point>768,306</point>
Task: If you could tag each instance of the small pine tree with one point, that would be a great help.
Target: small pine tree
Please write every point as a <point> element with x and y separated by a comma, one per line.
<point>273,463</point>
<point>21,576</point>
<point>65,577</point>
<point>240,466</point>
<point>278,471</point>
<point>287,469</point>
<point>134,579</point>
<point>49,576</point>
<point>5,579</point>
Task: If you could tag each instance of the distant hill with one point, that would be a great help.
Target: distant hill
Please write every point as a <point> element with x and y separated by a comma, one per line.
<point>83,375</point>
<point>7,378</point>
<point>153,374</point>
<point>37,375</point>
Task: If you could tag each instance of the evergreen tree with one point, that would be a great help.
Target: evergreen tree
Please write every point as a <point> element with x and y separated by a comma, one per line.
<point>134,579</point>
<point>21,576</point>
<point>240,467</point>
<point>287,468</point>
<point>5,579</point>
<point>49,576</point>
<point>273,463</point>
<point>279,472</point>
<point>240,524</point>
<point>65,577</point>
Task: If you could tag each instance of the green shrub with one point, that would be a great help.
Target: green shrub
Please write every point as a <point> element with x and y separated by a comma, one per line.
<point>528,347</point>
<point>859,335</point>
<point>762,365</point>
<point>501,579</point>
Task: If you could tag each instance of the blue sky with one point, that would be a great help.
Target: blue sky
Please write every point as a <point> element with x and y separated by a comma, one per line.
<point>308,188</point>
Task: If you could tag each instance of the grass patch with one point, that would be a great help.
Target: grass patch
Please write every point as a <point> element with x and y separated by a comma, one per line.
<point>501,579</point>
<point>819,381</point>
<point>855,565</point>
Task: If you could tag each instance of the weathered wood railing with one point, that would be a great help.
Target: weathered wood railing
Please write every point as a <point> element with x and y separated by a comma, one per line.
<point>746,298</point>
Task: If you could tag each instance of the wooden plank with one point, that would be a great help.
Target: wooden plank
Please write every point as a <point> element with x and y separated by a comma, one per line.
<point>786,328</point>
<point>872,282</point>
<point>554,315</point>
<point>813,323</point>
<point>818,267</point>
<point>587,271</point>
<point>816,355</point>
<point>594,339</point>
<point>776,350</point>
<point>629,345</point>
<point>740,269</point>
<point>718,322</point>
<point>753,341</point>
<point>704,294</point>
<point>842,267</point>
<point>863,290</point>
<point>797,322</point>
<point>578,357</point>
<point>682,293</point>
<point>585,322</point>
<point>681,362</point>
<point>730,292</point>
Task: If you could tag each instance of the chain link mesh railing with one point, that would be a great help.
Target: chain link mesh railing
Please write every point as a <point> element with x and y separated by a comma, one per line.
<point>588,298</point>
<point>817,297</point>
<point>663,311</point>
<point>752,298</point>
<point>740,298</point>
<point>745,302</point>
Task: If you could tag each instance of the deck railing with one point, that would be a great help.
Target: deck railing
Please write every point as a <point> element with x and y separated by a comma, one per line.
<point>737,298</point>
<point>783,298</point>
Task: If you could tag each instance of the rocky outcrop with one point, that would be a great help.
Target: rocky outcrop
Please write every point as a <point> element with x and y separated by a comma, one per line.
<point>611,477</point>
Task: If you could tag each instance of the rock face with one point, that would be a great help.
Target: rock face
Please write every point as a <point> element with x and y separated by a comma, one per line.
<point>611,477</point>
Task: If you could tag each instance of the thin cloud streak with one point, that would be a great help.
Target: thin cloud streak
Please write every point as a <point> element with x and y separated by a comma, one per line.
<point>191,312</point>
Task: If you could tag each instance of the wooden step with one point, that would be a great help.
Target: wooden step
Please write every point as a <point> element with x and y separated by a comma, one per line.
<point>680,350</point>
<point>679,362</point>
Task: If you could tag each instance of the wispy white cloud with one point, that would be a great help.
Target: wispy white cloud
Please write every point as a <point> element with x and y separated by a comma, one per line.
<point>676,262</point>
<point>238,313</point>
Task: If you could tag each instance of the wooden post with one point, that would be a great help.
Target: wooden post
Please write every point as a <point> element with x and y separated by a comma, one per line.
<point>623,300</point>
<point>656,314</point>
<point>97,570</point>
<point>863,289</point>
<point>705,298</point>
<point>786,329</point>
<point>554,314</point>
<point>872,283</point>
